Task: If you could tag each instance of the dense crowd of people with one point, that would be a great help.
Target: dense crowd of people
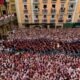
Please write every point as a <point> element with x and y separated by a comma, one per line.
<point>35,66</point>
<point>40,54</point>
<point>43,45</point>
<point>67,40</point>
<point>69,35</point>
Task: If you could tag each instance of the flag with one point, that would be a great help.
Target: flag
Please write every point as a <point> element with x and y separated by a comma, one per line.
<point>1,2</point>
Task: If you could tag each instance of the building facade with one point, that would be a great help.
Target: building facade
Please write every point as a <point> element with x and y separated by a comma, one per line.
<point>11,6</point>
<point>8,7</point>
<point>47,13</point>
<point>7,16</point>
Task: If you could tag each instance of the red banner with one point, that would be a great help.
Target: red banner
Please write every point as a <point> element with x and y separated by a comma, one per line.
<point>1,1</point>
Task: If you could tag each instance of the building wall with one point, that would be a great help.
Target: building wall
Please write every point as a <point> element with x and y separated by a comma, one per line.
<point>69,12</point>
<point>12,8</point>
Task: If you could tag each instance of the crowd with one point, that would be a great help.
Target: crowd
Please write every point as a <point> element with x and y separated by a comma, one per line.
<point>35,66</point>
<point>42,45</point>
<point>67,40</point>
<point>41,54</point>
<point>69,35</point>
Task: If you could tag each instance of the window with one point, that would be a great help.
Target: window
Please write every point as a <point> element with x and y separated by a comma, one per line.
<point>26,16</point>
<point>36,6</point>
<point>25,6</point>
<point>52,16</point>
<point>69,16</point>
<point>36,16</point>
<point>53,5</point>
<point>45,6</point>
<point>72,6</point>
<point>44,16</point>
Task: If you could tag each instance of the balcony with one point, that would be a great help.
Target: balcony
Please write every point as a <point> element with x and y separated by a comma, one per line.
<point>53,1</point>
<point>72,1</point>
<point>60,20</point>
<point>44,20</point>
<point>69,20</point>
<point>44,11</point>
<point>26,21</point>
<point>70,10</point>
<point>62,10</point>
<point>36,11</point>
<point>63,1</point>
<point>52,21</point>
<point>35,1</point>
<point>36,20</point>
<point>53,11</point>
<point>45,1</point>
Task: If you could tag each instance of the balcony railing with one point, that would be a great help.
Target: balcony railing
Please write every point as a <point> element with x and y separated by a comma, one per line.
<point>70,10</point>
<point>52,21</point>
<point>36,11</point>
<point>68,20</point>
<point>44,21</point>
<point>72,1</point>
<point>63,1</point>
<point>26,21</point>
<point>53,1</point>
<point>45,1</point>
<point>44,11</point>
<point>36,20</point>
<point>60,20</point>
<point>53,11</point>
<point>62,10</point>
<point>35,1</point>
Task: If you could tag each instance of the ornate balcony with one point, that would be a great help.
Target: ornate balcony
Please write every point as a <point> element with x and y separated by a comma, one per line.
<point>44,11</point>
<point>36,11</point>
<point>36,20</point>
<point>35,1</point>
<point>60,20</point>
<point>53,1</point>
<point>63,1</point>
<point>53,11</point>
<point>52,21</point>
<point>72,1</point>
<point>44,20</point>
<point>45,1</point>
<point>62,10</point>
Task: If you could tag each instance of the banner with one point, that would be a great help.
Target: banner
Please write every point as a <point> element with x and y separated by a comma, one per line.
<point>1,2</point>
